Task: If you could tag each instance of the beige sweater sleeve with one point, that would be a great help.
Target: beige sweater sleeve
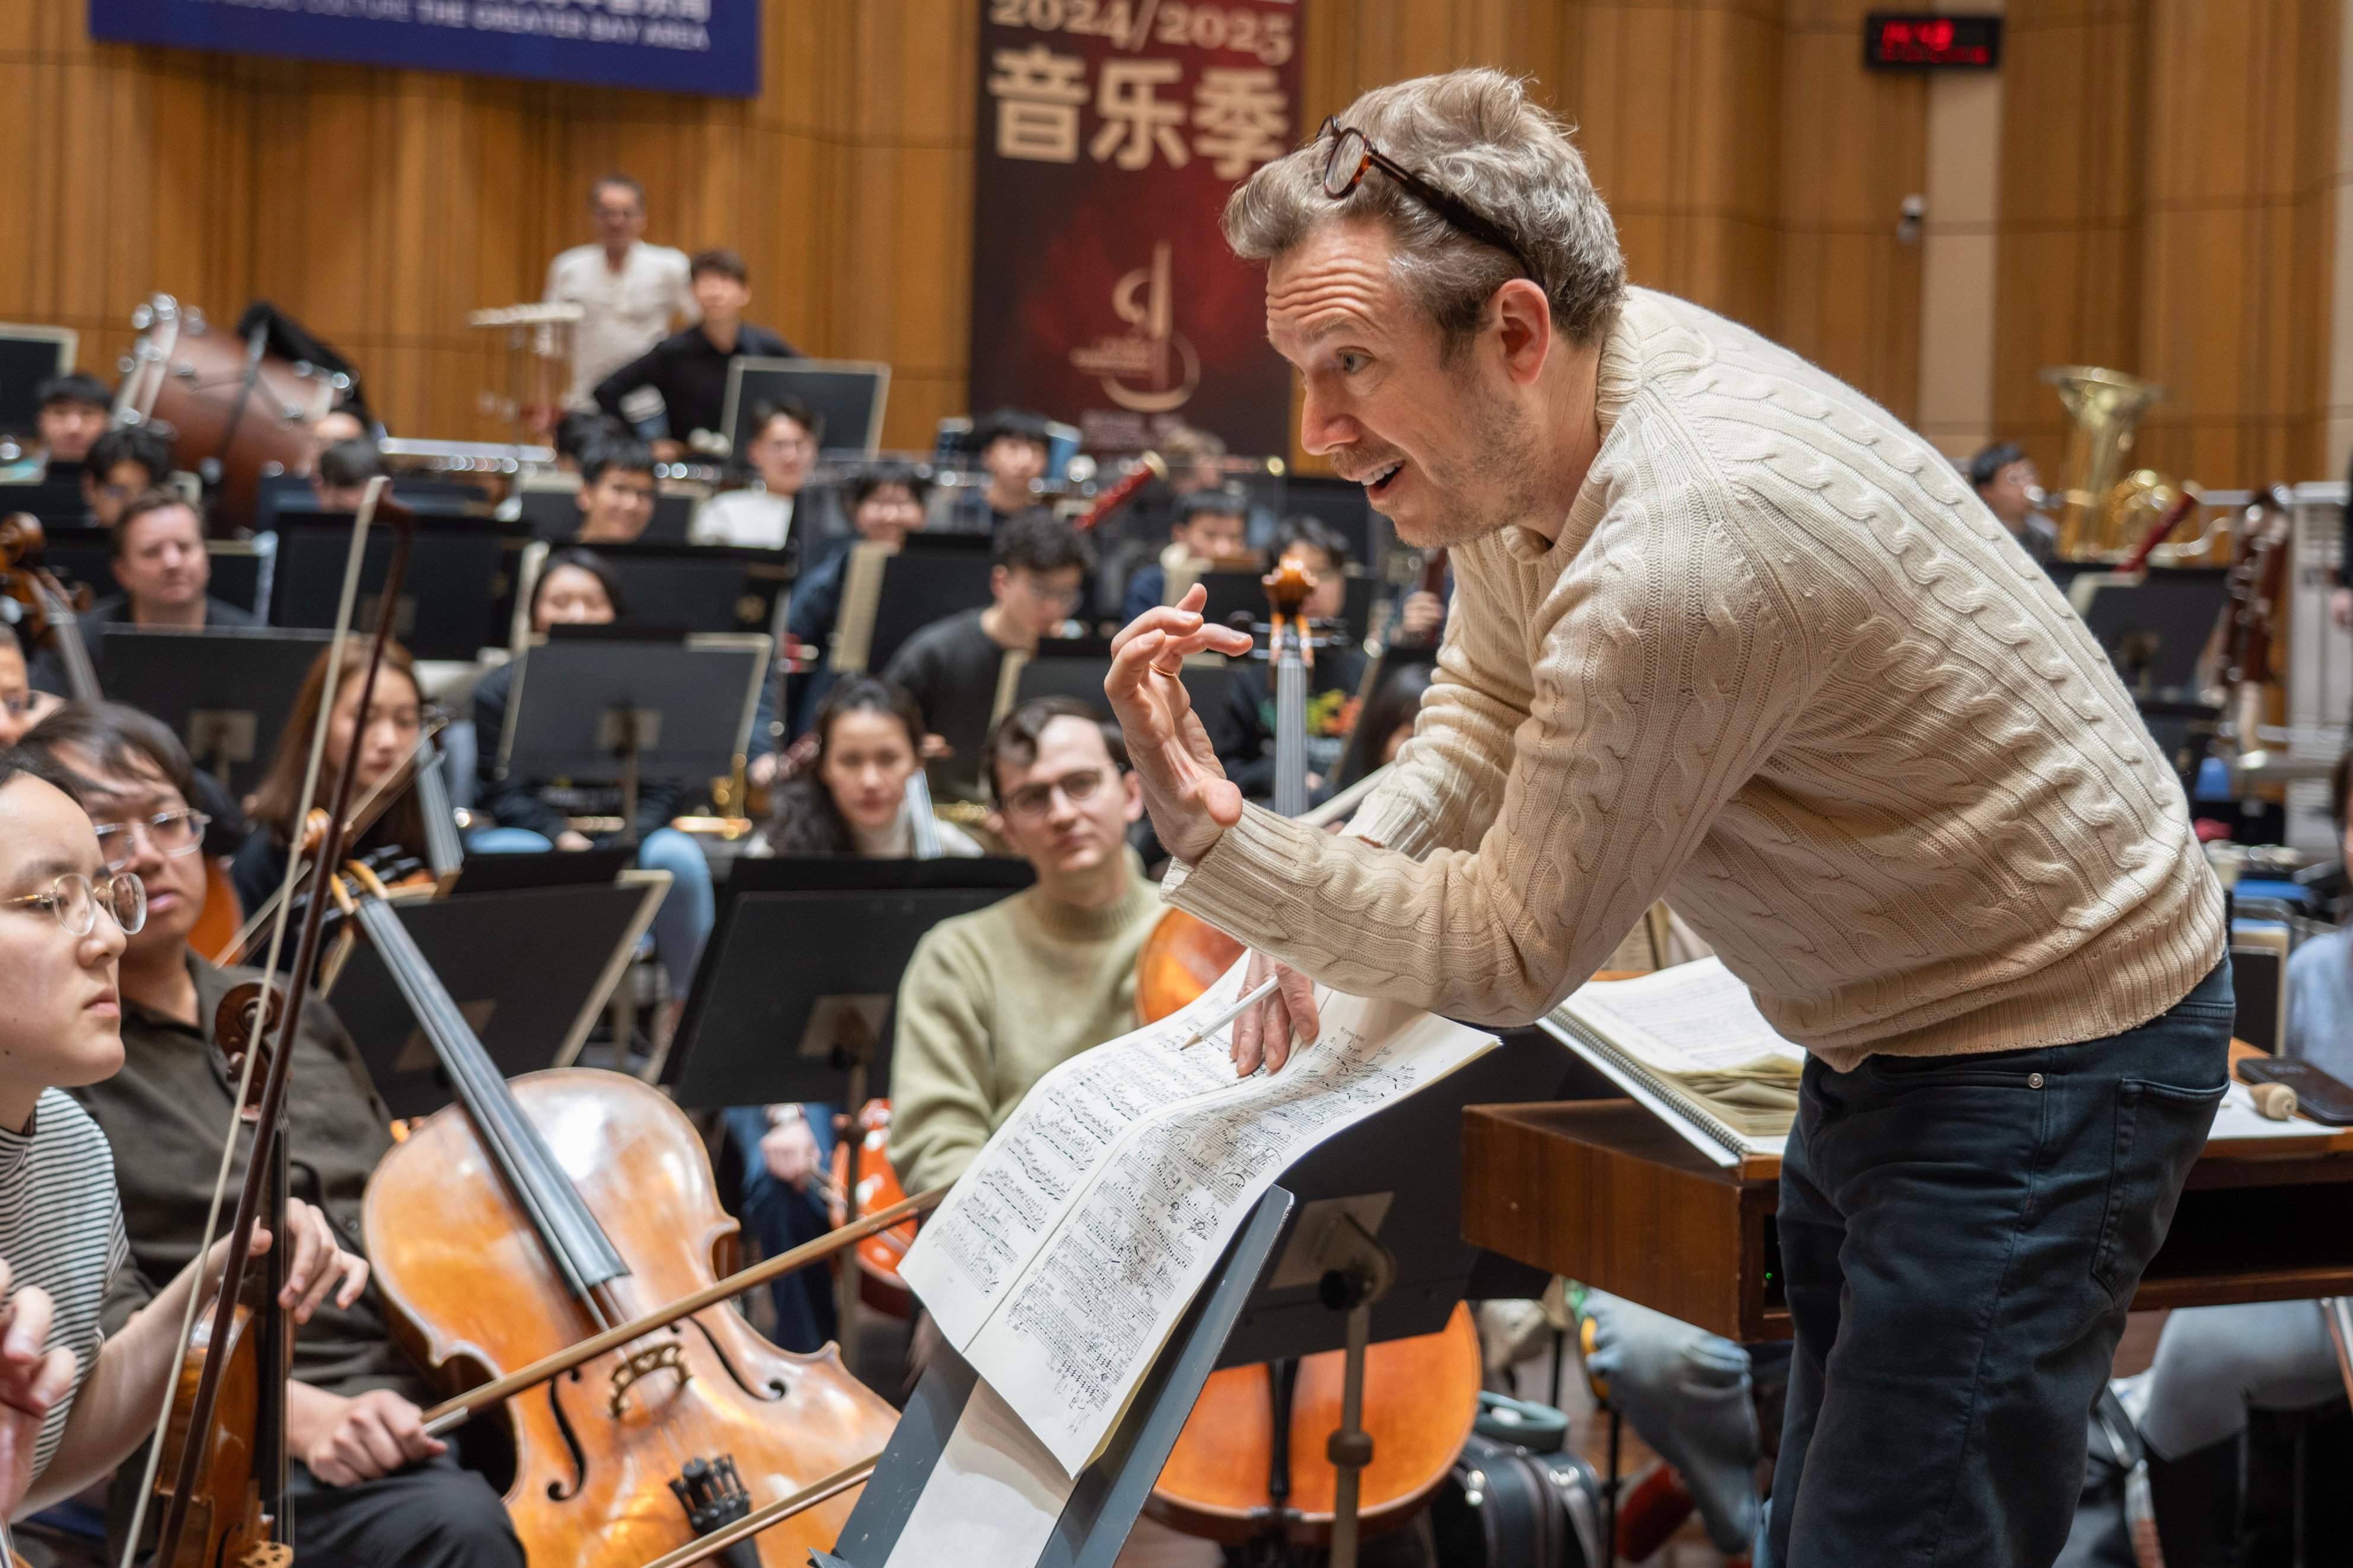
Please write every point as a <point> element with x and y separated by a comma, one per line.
<point>1666,666</point>
<point>1447,784</point>
<point>940,1063</point>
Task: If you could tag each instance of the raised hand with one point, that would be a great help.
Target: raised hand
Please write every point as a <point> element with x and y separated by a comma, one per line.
<point>1185,789</point>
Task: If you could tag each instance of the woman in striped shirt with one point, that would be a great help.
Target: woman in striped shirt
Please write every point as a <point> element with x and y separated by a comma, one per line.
<point>70,1408</point>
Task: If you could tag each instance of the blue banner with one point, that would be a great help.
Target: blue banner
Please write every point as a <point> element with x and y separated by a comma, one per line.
<point>670,45</point>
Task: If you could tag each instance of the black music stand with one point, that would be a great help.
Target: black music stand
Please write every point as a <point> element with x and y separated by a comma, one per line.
<point>1344,1203</point>
<point>1110,1493</point>
<point>932,577</point>
<point>848,394</point>
<point>610,707</point>
<point>449,608</point>
<point>59,503</point>
<point>793,999</point>
<point>30,355</point>
<point>227,692</point>
<point>703,587</point>
<point>530,972</point>
<point>1082,678</point>
<point>2154,629</point>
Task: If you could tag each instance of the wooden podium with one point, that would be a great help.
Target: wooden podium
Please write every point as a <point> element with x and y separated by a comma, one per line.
<point>1605,1193</point>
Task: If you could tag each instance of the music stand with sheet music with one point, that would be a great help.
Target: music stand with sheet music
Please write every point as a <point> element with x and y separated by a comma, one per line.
<point>449,609</point>
<point>793,999</point>
<point>887,595</point>
<point>1110,1494</point>
<point>597,705</point>
<point>227,692</point>
<point>530,970</point>
<point>1346,1203</point>
<point>848,394</point>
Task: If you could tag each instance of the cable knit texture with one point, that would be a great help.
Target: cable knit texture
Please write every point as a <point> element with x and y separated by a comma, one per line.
<point>1782,669</point>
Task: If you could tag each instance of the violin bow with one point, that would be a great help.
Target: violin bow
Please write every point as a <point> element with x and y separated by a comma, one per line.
<point>373,804</point>
<point>259,1170</point>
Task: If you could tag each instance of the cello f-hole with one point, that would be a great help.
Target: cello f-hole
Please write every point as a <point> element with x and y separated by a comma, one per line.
<point>556,1489</point>
<point>773,1389</point>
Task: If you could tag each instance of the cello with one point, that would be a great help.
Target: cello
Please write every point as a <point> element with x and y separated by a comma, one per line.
<point>532,1215</point>
<point>1251,1468</point>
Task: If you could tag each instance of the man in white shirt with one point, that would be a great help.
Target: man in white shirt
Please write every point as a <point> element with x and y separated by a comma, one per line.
<point>629,289</point>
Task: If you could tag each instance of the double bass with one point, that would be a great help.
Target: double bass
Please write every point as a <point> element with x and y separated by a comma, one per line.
<point>1251,1468</point>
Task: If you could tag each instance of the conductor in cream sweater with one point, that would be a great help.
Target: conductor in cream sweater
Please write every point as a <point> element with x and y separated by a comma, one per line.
<point>1728,633</point>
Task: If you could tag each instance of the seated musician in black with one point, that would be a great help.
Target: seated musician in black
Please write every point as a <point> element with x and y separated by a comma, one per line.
<point>886,504</point>
<point>395,719</point>
<point>952,666</point>
<point>577,586</point>
<point>73,413</point>
<point>163,567</point>
<point>1247,746</point>
<point>123,463</point>
<point>369,1487</point>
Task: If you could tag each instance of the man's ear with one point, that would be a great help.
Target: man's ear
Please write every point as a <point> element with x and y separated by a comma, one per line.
<point>1000,578</point>
<point>1522,321</point>
<point>1135,812</point>
<point>114,564</point>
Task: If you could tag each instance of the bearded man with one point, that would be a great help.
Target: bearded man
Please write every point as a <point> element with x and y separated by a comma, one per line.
<point>1728,633</point>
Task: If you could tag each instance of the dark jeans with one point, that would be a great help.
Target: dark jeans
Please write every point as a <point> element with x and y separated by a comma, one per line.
<point>1961,1236</point>
<point>780,1219</point>
<point>431,1515</point>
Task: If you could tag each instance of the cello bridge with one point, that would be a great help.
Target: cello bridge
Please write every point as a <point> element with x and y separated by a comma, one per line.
<point>645,1361</point>
<point>267,1554</point>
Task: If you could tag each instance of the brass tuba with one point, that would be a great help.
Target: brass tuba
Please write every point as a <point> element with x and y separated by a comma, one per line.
<point>2106,406</point>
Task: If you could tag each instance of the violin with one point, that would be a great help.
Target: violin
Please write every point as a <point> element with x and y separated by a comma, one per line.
<point>50,613</point>
<point>224,1426</point>
<point>532,1215</point>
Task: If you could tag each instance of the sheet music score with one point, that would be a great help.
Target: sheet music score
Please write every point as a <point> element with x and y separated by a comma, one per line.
<point>1062,1260</point>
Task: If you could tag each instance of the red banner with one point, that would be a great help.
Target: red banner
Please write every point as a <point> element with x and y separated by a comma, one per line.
<point>1111,133</point>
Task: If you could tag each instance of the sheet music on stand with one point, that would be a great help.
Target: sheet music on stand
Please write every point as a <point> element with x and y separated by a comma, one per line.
<point>1067,1253</point>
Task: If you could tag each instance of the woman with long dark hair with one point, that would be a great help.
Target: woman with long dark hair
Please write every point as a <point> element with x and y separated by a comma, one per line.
<point>850,798</point>
<point>395,719</point>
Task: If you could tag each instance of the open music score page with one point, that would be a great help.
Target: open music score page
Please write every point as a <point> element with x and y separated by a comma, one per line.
<point>1689,1044</point>
<point>1063,1259</point>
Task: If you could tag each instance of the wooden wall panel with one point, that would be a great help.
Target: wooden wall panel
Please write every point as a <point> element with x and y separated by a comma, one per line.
<point>2168,210</point>
<point>1752,164</point>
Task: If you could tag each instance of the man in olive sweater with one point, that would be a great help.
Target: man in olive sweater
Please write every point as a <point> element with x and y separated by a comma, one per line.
<point>994,999</point>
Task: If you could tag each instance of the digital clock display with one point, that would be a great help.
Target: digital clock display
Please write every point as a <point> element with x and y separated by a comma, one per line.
<point>1894,42</point>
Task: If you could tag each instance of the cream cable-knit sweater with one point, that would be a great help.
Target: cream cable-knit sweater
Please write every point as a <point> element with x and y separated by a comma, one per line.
<point>1784,669</point>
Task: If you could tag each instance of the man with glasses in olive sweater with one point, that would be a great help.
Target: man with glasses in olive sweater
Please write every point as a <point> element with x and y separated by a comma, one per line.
<point>995,999</point>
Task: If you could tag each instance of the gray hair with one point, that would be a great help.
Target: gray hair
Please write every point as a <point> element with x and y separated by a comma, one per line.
<point>1475,135</point>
